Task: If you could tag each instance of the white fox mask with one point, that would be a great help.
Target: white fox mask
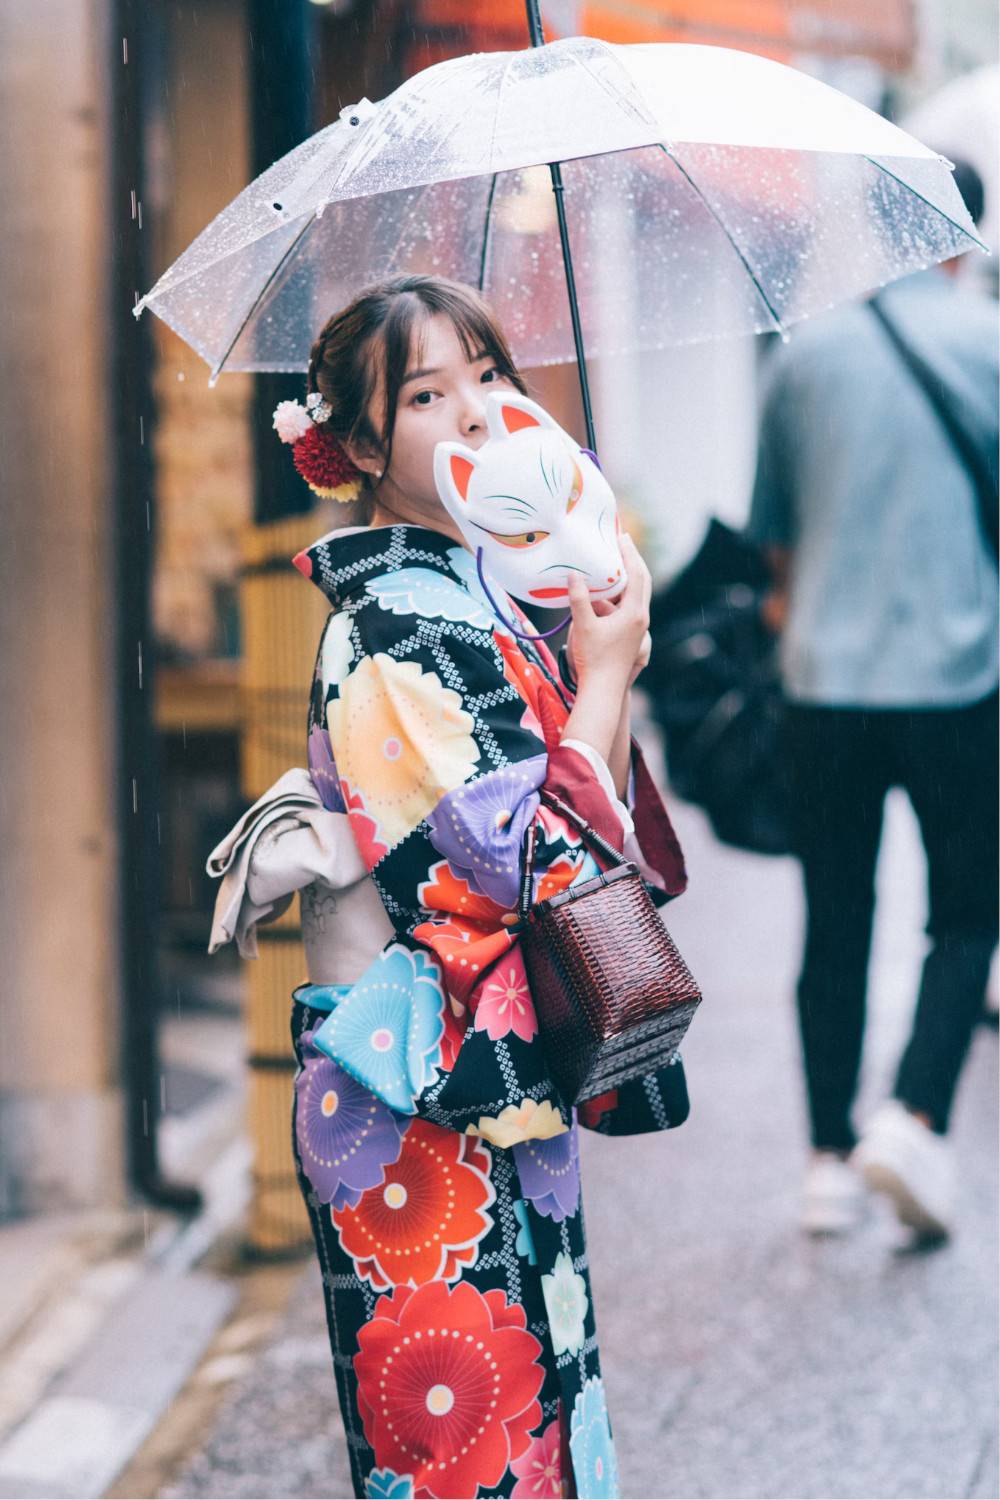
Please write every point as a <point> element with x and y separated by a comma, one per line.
<point>535,503</point>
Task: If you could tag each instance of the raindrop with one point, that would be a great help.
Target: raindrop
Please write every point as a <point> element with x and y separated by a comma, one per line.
<point>125,50</point>
<point>142,431</point>
<point>135,795</point>
<point>145,1116</point>
<point>140,664</point>
<point>180,375</point>
<point>163,1094</point>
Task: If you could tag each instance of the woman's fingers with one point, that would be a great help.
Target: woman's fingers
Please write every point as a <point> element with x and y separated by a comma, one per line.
<point>579,599</point>
<point>638,590</point>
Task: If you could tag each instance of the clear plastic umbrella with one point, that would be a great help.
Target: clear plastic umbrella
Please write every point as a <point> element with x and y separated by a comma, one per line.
<point>707,193</point>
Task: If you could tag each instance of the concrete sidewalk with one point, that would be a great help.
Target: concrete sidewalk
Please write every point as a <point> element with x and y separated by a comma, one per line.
<point>741,1359</point>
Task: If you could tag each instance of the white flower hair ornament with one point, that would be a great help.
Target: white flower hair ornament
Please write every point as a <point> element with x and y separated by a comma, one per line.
<point>318,455</point>
<point>533,506</point>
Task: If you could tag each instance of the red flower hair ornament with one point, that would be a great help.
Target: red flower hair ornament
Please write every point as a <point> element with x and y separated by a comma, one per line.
<point>318,455</point>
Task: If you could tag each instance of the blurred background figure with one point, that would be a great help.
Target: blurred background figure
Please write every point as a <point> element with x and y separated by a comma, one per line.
<point>875,499</point>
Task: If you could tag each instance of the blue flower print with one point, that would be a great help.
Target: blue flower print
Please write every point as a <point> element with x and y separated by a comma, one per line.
<point>386,1031</point>
<point>384,1484</point>
<point>524,1244</point>
<point>421,591</point>
<point>463,563</point>
<point>594,1461</point>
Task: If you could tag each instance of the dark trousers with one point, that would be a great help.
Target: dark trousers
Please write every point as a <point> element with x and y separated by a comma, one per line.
<point>841,762</point>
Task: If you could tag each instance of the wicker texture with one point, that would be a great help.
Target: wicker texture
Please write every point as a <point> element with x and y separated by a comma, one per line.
<point>613,995</point>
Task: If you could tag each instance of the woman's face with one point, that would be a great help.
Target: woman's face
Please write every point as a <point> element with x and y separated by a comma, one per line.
<point>441,400</point>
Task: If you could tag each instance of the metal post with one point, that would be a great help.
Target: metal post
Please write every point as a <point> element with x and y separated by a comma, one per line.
<point>555,170</point>
<point>138,767</point>
<point>280,75</point>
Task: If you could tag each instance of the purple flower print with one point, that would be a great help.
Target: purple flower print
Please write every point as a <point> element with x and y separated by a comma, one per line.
<point>479,827</point>
<point>323,770</point>
<point>345,1135</point>
<point>549,1172</point>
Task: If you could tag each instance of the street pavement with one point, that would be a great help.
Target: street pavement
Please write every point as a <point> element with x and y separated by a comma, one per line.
<point>741,1358</point>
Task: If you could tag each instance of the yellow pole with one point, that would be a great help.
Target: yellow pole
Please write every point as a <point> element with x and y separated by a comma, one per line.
<point>282,617</point>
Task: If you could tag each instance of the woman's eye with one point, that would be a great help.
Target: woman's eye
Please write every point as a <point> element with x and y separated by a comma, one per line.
<point>423,398</point>
<point>522,539</point>
<point>490,375</point>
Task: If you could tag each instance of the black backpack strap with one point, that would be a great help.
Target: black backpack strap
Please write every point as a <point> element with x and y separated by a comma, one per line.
<point>970,454</point>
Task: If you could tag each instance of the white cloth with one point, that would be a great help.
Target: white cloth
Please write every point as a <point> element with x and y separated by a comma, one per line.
<point>287,842</point>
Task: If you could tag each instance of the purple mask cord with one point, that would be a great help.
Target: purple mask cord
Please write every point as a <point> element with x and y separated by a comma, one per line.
<point>523,635</point>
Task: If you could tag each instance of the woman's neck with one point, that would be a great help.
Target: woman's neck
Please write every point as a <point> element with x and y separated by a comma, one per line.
<point>396,509</point>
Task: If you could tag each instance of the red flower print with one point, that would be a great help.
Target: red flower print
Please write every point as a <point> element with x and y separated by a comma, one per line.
<point>363,826</point>
<point>555,827</point>
<point>425,1220</point>
<point>539,1470</point>
<point>505,1001</point>
<point>591,1110</point>
<point>448,1380</point>
<point>546,713</point>
<point>445,891</point>
<point>552,716</point>
<point>560,874</point>
<point>522,675</point>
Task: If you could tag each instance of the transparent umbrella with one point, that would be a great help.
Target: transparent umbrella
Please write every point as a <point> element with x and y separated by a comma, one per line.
<point>707,193</point>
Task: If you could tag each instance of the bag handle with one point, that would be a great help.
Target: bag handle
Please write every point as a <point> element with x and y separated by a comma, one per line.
<point>531,839</point>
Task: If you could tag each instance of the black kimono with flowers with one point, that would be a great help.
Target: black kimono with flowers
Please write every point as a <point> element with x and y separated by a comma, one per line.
<point>438,1162</point>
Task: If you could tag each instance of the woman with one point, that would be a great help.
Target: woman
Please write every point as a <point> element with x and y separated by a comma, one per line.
<point>438,1163</point>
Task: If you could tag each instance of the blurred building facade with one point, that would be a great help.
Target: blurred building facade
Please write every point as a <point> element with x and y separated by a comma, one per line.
<point>678,443</point>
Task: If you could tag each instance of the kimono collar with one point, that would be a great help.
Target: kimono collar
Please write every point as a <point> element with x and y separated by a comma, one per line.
<point>341,564</point>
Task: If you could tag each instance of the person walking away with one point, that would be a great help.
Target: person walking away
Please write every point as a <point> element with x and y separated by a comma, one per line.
<point>885,598</point>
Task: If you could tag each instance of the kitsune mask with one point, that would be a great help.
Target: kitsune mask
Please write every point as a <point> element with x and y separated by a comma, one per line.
<point>535,504</point>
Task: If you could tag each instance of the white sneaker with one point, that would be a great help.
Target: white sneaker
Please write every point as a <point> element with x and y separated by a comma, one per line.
<point>902,1157</point>
<point>833,1196</point>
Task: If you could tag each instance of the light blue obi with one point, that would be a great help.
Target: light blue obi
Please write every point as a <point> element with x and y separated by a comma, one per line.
<point>386,1029</point>
<point>321,996</point>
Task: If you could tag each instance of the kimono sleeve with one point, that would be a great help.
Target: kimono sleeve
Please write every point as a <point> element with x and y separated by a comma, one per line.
<point>657,1101</point>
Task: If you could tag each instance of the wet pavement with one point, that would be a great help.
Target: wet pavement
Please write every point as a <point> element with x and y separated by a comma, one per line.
<point>741,1358</point>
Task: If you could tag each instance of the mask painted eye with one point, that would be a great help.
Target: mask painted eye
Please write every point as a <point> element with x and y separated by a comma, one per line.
<point>577,489</point>
<point>522,539</point>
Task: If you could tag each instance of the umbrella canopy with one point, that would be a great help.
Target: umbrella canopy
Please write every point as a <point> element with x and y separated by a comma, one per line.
<point>708,192</point>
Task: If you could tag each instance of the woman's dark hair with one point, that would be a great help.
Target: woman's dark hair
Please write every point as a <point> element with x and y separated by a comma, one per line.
<point>370,340</point>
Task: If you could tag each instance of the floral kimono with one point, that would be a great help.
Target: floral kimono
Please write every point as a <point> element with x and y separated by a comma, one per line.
<point>439,1164</point>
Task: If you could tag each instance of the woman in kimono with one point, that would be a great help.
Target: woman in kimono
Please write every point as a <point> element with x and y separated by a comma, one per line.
<point>438,1162</point>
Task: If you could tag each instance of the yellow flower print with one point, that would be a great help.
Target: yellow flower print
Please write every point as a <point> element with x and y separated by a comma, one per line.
<point>529,1122</point>
<point>401,739</point>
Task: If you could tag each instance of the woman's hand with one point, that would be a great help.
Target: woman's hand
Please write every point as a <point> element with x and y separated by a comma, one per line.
<point>608,639</point>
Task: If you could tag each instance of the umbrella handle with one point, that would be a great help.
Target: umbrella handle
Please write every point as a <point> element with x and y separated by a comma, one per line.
<point>524,635</point>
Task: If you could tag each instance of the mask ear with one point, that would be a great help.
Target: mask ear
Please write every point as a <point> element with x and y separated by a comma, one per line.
<point>454,467</point>
<point>510,413</point>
